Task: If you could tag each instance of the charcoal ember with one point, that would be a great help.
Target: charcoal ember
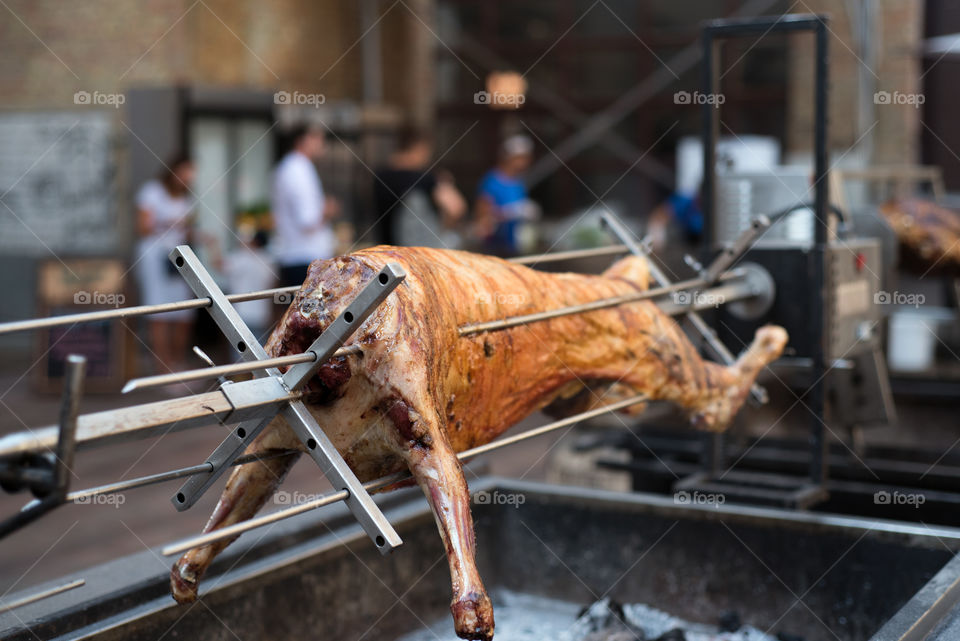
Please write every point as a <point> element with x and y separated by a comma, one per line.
<point>783,636</point>
<point>601,612</point>
<point>620,635</point>
<point>675,634</point>
<point>599,615</point>
<point>604,621</point>
<point>729,621</point>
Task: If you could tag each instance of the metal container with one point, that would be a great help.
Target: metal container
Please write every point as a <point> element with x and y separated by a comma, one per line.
<point>318,577</point>
<point>743,195</point>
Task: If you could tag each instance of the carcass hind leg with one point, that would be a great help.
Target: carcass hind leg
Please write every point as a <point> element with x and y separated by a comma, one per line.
<point>437,470</point>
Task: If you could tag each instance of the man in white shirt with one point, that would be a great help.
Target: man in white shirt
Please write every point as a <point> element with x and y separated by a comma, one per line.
<point>301,213</point>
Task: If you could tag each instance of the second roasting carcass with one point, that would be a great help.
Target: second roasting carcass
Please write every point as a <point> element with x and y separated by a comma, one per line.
<point>927,229</point>
<point>420,392</point>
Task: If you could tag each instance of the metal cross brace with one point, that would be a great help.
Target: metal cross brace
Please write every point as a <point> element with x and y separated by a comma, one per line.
<point>299,418</point>
<point>726,258</point>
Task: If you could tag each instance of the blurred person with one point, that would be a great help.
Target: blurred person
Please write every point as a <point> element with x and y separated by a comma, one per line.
<point>503,205</point>
<point>164,220</point>
<point>679,212</point>
<point>416,206</point>
<point>301,211</point>
<point>250,267</point>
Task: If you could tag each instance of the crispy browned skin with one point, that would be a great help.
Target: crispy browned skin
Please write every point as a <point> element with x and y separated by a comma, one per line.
<point>930,230</point>
<point>420,392</point>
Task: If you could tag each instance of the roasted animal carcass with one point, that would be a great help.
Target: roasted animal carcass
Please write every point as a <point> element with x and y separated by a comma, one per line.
<point>929,230</point>
<point>420,392</point>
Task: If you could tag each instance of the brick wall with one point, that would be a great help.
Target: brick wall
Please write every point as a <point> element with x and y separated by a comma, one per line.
<point>896,35</point>
<point>110,45</point>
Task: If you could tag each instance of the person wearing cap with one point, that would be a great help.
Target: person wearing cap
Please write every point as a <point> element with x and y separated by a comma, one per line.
<point>503,205</point>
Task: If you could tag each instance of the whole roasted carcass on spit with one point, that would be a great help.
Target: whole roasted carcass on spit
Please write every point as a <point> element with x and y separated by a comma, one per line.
<point>420,392</point>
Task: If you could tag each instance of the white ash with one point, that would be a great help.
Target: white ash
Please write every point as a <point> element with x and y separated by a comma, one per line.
<point>524,617</point>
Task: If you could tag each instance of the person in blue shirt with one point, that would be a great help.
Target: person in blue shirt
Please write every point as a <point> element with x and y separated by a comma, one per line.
<point>503,204</point>
<point>681,210</point>
<point>686,211</point>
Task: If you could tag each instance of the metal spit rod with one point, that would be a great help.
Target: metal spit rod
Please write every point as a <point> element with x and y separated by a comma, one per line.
<point>248,399</point>
<point>227,370</point>
<point>602,303</point>
<point>378,484</point>
<point>147,420</point>
<point>610,250</point>
<point>199,303</point>
<point>39,596</point>
<point>203,468</point>
<point>130,312</point>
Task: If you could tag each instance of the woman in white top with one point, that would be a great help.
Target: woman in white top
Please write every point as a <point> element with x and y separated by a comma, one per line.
<point>164,208</point>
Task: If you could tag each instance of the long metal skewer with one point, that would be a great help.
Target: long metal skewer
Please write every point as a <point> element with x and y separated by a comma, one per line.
<point>81,496</point>
<point>602,303</point>
<point>378,484</point>
<point>45,594</point>
<point>199,303</point>
<point>569,255</point>
<point>237,368</point>
<point>130,312</point>
<point>227,370</point>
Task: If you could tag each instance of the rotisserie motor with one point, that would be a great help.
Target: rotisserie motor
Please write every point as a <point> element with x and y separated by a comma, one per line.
<point>420,392</point>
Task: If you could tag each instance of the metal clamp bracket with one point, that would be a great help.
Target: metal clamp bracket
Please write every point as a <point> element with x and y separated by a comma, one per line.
<point>242,395</point>
<point>315,441</point>
<point>716,346</point>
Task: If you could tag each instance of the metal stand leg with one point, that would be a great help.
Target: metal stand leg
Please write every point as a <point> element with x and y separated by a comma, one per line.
<point>58,481</point>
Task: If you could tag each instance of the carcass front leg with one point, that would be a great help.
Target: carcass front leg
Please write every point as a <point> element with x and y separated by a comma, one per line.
<point>437,470</point>
<point>249,487</point>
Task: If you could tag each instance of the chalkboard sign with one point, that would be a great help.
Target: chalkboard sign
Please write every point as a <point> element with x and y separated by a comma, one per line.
<point>74,286</point>
<point>92,340</point>
<point>57,177</point>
